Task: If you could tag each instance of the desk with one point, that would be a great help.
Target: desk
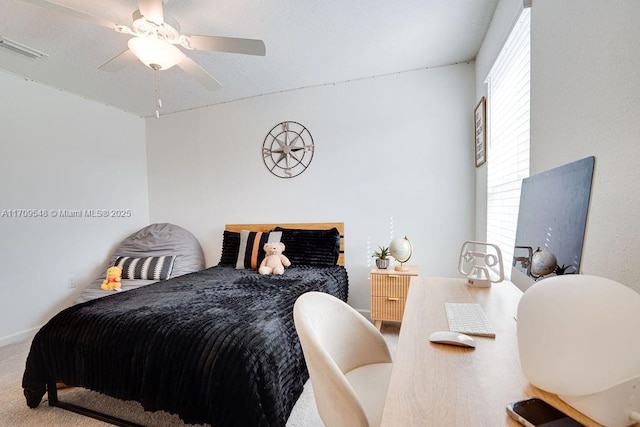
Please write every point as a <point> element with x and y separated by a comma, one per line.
<point>440,385</point>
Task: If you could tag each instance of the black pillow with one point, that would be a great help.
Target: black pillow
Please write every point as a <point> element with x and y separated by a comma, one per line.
<point>230,247</point>
<point>311,247</point>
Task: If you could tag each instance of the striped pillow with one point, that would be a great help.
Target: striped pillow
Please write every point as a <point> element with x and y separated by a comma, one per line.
<point>250,253</point>
<point>149,268</point>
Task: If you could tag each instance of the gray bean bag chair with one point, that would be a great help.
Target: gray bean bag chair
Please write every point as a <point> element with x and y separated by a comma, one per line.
<point>169,251</point>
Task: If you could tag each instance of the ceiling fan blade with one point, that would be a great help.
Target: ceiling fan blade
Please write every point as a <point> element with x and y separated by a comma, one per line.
<point>152,10</point>
<point>75,13</point>
<point>118,62</point>
<point>226,44</point>
<point>190,67</point>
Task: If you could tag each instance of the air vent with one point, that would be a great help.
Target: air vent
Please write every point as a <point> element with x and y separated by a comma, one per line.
<point>21,49</point>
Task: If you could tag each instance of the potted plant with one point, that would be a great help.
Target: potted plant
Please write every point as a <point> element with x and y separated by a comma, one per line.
<point>382,257</point>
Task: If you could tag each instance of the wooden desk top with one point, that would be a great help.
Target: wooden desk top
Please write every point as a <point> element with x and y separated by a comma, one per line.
<point>442,385</point>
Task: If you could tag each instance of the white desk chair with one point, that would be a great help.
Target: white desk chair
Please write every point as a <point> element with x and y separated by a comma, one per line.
<point>348,360</point>
<point>579,337</point>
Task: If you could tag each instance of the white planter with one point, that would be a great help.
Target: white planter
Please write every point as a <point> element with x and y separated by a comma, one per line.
<point>382,263</point>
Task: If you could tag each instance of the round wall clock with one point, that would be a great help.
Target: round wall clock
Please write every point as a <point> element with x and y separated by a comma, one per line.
<point>287,150</point>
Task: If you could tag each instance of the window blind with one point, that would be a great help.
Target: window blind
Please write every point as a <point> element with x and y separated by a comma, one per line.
<point>508,132</point>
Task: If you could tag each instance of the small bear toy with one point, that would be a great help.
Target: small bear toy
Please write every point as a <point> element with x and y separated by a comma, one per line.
<point>274,262</point>
<point>112,281</point>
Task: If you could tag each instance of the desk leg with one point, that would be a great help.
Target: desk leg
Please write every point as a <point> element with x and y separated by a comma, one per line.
<point>378,324</point>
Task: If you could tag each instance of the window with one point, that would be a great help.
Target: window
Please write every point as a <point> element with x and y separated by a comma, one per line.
<point>508,142</point>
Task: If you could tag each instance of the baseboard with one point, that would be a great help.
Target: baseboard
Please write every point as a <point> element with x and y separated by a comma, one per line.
<point>10,339</point>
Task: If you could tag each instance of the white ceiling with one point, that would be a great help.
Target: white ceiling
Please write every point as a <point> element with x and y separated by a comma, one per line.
<point>307,42</point>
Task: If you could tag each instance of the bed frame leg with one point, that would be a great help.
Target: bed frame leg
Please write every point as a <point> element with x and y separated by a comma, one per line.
<point>52,394</point>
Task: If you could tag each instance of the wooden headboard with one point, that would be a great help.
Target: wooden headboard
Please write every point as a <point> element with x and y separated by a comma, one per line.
<point>301,225</point>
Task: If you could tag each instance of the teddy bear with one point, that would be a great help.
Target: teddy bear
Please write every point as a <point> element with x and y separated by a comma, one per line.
<point>112,281</point>
<point>274,262</point>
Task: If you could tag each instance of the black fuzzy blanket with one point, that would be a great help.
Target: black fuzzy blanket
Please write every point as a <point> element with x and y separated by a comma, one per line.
<point>218,346</point>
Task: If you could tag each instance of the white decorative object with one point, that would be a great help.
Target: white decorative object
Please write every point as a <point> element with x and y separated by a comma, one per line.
<point>481,262</point>
<point>401,249</point>
<point>543,262</point>
<point>579,337</point>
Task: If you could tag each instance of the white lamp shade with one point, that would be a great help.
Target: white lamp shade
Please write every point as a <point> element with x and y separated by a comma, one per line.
<point>579,334</point>
<point>579,337</point>
<point>154,51</point>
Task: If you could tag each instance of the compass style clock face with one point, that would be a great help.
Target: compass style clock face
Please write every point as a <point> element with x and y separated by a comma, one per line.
<point>287,150</point>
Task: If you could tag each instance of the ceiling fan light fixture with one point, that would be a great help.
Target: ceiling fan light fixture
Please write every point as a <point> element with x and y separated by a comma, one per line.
<point>155,53</point>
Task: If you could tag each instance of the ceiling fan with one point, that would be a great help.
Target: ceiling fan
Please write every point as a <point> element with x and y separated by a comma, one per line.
<point>156,38</point>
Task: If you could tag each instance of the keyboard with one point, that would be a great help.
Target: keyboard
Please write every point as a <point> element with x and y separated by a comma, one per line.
<point>468,319</point>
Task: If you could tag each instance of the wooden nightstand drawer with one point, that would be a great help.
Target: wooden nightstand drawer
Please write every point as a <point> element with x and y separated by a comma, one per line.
<point>389,289</point>
<point>389,285</point>
<point>387,308</point>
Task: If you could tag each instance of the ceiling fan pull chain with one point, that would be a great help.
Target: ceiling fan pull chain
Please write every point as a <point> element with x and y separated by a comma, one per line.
<point>157,91</point>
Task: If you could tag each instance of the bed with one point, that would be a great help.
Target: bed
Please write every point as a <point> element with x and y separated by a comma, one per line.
<point>216,347</point>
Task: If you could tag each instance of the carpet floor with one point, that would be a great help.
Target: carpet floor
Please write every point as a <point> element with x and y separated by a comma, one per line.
<point>14,411</point>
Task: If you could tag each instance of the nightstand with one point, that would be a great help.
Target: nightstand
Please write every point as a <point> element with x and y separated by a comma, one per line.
<point>389,290</point>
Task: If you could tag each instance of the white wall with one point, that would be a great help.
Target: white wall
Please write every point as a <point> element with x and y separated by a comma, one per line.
<point>393,156</point>
<point>585,100</point>
<point>60,151</point>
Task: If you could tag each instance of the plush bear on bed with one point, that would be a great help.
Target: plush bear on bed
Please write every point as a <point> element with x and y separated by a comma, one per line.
<point>274,262</point>
<point>112,281</point>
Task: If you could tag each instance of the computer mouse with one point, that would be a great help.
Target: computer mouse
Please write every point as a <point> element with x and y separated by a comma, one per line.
<point>452,338</point>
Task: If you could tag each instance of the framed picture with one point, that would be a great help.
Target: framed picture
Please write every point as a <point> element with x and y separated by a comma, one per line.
<point>480,118</point>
